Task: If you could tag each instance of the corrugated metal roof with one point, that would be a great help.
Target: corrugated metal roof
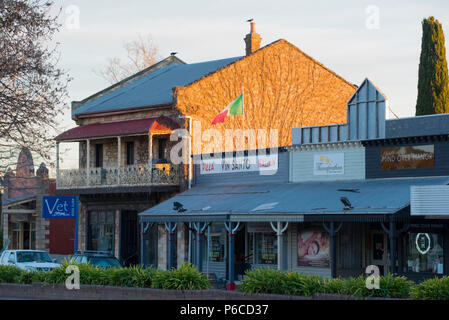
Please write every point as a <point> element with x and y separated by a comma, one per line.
<point>417,126</point>
<point>154,88</point>
<point>375,196</point>
<point>118,128</point>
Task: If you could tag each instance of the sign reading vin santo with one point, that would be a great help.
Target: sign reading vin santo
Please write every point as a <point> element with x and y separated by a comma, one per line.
<point>264,164</point>
<point>328,164</point>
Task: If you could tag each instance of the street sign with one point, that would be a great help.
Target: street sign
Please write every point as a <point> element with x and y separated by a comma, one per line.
<point>59,207</point>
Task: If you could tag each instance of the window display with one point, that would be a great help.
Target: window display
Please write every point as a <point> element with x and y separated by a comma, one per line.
<point>217,238</point>
<point>266,248</point>
<point>425,252</point>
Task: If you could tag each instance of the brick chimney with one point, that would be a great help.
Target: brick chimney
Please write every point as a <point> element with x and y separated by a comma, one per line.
<point>252,39</point>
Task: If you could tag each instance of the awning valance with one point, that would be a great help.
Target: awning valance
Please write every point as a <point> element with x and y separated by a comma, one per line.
<point>290,201</point>
<point>119,128</point>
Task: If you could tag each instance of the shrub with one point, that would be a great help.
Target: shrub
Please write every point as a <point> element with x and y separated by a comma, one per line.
<point>10,274</point>
<point>186,277</point>
<point>265,280</point>
<point>432,289</point>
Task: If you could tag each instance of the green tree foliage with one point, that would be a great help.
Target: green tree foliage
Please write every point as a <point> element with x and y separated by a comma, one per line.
<point>433,87</point>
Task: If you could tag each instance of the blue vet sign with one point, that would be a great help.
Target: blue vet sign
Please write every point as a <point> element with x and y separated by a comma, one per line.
<point>59,207</point>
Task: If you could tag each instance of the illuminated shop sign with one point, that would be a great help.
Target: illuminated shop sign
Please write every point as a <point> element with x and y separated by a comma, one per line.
<point>423,243</point>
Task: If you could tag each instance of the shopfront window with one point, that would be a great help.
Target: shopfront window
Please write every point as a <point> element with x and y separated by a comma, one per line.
<point>425,252</point>
<point>101,231</point>
<point>15,241</point>
<point>151,245</point>
<point>217,242</point>
<point>265,248</point>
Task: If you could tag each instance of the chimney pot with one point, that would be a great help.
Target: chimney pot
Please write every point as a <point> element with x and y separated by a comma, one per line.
<point>252,39</point>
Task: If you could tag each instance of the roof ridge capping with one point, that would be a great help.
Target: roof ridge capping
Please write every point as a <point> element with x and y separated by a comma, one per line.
<point>365,120</point>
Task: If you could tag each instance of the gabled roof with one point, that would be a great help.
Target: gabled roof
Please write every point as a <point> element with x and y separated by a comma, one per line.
<point>152,89</point>
<point>156,88</point>
<point>163,63</point>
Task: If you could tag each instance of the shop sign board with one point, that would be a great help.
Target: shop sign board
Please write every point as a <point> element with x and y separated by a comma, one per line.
<point>264,164</point>
<point>313,248</point>
<point>423,243</point>
<point>59,206</point>
<point>407,157</point>
<point>328,164</point>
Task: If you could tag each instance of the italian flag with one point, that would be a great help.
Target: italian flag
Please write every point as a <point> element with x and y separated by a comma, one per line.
<point>233,109</point>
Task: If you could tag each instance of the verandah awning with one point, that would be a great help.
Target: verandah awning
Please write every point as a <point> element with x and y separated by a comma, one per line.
<point>119,128</point>
<point>290,201</point>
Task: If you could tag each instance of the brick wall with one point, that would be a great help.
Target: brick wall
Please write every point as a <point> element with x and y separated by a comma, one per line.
<point>283,88</point>
<point>90,292</point>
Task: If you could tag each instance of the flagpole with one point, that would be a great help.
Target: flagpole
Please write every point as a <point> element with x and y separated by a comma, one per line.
<point>243,116</point>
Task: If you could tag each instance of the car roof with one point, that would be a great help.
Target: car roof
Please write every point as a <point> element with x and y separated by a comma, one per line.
<point>25,250</point>
<point>104,255</point>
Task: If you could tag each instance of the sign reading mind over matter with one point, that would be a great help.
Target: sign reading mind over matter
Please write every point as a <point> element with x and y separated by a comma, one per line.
<point>407,157</point>
<point>59,206</point>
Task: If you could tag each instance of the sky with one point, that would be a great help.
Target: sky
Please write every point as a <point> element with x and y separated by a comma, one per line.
<point>356,39</point>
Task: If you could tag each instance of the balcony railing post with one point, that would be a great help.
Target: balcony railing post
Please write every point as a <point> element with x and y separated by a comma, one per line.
<point>88,162</point>
<point>119,158</point>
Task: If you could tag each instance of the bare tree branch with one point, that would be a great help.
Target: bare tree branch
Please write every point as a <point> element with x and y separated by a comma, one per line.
<point>141,54</point>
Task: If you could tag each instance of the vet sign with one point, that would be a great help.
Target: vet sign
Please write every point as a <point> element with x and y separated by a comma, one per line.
<point>59,207</point>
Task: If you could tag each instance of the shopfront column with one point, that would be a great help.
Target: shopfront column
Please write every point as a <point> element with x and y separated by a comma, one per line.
<point>171,228</point>
<point>199,227</point>
<point>392,235</point>
<point>332,230</point>
<point>231,228</point>
<point>279,229</point>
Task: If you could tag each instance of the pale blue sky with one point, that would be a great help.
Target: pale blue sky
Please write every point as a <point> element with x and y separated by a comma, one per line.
<point>333,32</point>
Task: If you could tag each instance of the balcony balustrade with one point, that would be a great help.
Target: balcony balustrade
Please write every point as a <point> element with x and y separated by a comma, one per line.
<point>133,175</point>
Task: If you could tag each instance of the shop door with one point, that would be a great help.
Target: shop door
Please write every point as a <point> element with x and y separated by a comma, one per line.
<point>129,238</point>
<point>379,251</point>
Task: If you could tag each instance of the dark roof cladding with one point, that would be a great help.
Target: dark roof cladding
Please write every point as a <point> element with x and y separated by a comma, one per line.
<point>119,128</point>
<point>155,88</point>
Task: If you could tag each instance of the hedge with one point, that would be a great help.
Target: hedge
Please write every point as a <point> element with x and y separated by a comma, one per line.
<point>265,280</point>
<point>187,277</point>
<point>261,280</point>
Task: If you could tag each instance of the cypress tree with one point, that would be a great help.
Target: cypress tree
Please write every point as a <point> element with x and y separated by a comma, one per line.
<point>433,87</point>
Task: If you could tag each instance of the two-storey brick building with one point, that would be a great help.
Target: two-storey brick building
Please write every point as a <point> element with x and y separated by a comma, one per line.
<point>123,134</point>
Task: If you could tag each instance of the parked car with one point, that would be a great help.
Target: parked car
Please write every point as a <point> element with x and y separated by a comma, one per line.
<point>96,258</point>
<point>30,260</point>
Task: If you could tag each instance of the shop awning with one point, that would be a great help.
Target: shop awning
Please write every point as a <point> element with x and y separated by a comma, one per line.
<point>119,128</point>
<point>290,201</point>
